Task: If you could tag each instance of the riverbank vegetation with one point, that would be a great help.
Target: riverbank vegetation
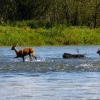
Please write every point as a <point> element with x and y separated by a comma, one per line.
<point>56,35</point>
<point>49,22</point>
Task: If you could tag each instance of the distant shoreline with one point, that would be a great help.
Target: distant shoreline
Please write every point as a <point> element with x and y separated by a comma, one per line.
<point>57,35</point>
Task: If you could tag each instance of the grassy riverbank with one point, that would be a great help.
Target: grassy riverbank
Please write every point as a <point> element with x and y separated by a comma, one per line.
<point>57,35</point>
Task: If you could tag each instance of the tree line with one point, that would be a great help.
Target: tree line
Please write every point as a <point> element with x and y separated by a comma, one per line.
<point>70,12</point>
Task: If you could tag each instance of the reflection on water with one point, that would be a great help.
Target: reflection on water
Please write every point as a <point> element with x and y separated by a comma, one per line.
<point>50,77</point>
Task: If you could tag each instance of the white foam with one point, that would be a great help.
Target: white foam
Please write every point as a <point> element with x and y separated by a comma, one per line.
<point>15,60</point>
<point>85,65</point>
<point>38,60</point>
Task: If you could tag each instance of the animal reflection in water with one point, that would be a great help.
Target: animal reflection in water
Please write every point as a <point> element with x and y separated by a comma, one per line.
<point>24,52</point>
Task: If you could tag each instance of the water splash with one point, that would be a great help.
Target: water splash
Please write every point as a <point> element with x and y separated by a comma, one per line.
<point>54,64</point>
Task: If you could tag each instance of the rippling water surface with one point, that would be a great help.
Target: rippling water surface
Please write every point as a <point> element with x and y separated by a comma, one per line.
<point>50,77</point>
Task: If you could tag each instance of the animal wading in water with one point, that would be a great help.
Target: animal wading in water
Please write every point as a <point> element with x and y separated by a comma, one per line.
<point>98,51</point>
<point>24,52</point>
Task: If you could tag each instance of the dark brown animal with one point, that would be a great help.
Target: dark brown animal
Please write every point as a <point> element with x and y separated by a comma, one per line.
<point>68,55</point>
<point>98,51</point>
<point>24,52</point>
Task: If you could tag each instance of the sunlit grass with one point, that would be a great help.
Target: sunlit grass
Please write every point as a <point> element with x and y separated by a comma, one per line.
<point>57,35</point>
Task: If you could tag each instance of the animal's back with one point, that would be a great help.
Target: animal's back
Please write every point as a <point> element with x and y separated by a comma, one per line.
<point>28,50</point>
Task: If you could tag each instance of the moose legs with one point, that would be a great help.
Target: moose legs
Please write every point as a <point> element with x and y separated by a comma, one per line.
<point>22,58</point>
<point>35,57</point>
<point>31,55</point>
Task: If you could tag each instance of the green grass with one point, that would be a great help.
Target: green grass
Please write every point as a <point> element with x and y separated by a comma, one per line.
<point>57,35</point>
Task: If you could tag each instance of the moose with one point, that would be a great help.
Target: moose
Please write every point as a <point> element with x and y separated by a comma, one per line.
<point>24,52</point>
<point>98,51</point>
<point>68,55</point>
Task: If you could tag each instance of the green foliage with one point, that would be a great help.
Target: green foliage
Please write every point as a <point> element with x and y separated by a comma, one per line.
<point>33,24</point>
<point>56,35</point>
<point>71,12</point>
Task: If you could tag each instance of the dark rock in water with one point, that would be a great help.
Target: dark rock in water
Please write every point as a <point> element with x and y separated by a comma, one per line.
<point>68,55</point>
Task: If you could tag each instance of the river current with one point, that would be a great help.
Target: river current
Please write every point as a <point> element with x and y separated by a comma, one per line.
<point>50,77</point>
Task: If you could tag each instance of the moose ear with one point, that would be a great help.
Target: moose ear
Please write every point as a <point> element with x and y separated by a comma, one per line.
<point>15,45</point>
<point>98,49</point>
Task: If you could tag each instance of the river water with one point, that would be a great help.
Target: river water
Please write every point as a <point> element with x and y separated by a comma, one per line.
<point>50,77</point>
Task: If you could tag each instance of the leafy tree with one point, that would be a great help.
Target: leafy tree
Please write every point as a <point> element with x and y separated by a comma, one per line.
<point>7,10</point>
<point>71,12</point>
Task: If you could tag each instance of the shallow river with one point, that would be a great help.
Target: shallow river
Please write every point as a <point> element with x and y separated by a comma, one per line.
<point>50,77</point>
